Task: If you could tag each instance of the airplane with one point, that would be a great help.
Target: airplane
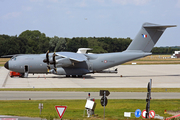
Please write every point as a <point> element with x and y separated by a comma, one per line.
<point>80,63</point>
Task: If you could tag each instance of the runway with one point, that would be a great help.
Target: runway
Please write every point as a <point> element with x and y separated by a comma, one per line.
<point>39,95</point>
<point>133,76</point>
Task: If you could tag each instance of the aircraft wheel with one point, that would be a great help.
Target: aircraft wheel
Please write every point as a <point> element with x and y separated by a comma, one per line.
<point>73,76</point>
<point>67,75</point>
<point>80,76</point>
<point>22,75</point>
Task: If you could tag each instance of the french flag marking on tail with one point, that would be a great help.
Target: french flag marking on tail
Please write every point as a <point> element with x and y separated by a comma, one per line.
<point>144,35</point>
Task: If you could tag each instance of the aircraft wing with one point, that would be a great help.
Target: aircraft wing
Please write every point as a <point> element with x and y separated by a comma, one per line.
<point>10,56</point>
<point>73,56</point>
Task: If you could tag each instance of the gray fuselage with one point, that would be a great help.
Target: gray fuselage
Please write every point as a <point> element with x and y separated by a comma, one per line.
<point>94,63</point>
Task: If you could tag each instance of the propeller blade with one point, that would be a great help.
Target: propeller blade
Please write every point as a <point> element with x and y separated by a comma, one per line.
<point>55,69</point>
<point>48,68</point>
<point>47,57</point>
<point>54,61</point>
<point>47,61</point>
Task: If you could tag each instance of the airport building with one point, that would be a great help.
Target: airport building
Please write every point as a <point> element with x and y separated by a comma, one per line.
<point>176,54</point>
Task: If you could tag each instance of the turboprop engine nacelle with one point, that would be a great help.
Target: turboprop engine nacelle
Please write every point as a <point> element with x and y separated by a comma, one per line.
<point>52,60</point>
<point>63,62</point>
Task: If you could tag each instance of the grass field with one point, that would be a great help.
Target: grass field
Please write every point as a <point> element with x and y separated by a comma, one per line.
<point>3,61</point>
<point>155,59</point>
<point>75,108</point>
<point>94,89</point>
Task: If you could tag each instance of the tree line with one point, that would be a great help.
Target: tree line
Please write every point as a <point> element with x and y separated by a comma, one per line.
<point>35,42</point>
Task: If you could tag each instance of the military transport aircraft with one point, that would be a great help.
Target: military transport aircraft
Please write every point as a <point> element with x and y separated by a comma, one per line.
<point>80,63</point>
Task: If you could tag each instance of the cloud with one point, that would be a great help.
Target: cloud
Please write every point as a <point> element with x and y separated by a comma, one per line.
<point>27,8</point>
<point>134,2</point>
<point>83,3</point>
<point>178,3</point>
<point>100,1</point>
<point>11,15</point>
<point>54,1</point>
<point>36,0</point>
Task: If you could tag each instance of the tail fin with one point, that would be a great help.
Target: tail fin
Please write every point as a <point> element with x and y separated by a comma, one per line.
<point>147,37</point>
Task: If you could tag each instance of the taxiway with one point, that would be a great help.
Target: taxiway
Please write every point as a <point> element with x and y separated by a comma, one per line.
<point>47,95</point>
<point>133,76</point>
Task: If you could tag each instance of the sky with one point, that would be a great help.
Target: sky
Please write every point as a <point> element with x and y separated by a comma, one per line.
<point>89,18</point>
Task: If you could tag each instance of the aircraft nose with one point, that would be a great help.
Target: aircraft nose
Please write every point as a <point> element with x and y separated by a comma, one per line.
<point>6,65</point>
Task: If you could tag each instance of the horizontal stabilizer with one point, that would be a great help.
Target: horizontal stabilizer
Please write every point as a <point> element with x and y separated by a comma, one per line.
<point>150,25</point>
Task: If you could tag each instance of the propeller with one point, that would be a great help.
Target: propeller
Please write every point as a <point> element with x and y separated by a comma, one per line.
<point>47,60</point>
<point>54,62</point>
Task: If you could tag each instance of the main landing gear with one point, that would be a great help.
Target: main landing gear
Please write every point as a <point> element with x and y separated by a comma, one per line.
<point>74,76</point>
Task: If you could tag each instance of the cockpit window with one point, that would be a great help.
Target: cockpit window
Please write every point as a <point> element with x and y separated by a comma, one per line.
<point>13,58</point>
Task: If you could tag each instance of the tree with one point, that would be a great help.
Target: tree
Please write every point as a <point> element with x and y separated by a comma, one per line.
<point>37,42</point>
<point>169,50</point>
<point>3,46</point>
<point>61,45</point>
<point>57,44</point>
<point>75,43</point>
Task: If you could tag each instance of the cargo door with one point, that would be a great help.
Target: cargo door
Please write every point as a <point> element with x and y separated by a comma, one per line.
<point>26,70</point>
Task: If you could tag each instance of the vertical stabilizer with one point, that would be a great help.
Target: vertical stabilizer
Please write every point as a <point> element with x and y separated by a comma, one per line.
<point>147,37</point>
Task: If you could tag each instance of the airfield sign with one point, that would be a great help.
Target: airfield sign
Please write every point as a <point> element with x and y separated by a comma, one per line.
<point>137,113</point>
<point>151,114</point>
<point>60,110</point>
<point>144,113</point>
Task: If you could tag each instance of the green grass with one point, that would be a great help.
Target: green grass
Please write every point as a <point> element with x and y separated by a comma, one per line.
<point>114,110</point>
<point>94,89</point>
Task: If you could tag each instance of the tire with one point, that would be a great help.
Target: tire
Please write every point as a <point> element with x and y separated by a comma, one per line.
<point>73,76</point>
<point>22,75</point>
<point>80,76</point>
<point>67,75</point>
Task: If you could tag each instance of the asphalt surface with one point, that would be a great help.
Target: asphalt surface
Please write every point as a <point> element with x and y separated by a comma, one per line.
<point>4,117</point>
<point>38,95</point>
<point>133,76</point>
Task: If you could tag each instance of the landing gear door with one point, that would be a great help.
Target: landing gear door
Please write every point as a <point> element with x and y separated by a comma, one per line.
<point>91,67</point>
<point>26,70</point>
